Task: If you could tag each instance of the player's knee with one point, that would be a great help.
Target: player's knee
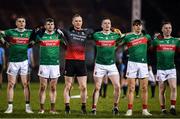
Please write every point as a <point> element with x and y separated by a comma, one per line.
<point>11,85</point>
<point>144,89</point>
<point>83,87</point>
<point>25,85</point>
<point>53,88</point>
<point>131,89</point>
<point>117,88</point>
<point>173,88</point>
<point>43,87</point>
<point>68,86</point>
<point>97,88</point>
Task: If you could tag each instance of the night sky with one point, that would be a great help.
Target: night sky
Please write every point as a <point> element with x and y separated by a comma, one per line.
<point>153,11</point>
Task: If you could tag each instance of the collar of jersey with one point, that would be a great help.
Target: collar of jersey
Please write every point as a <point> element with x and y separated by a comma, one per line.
<point>49,33</point>
<point>21,30</point>
<point>105,33</point>
<point>167,38</point>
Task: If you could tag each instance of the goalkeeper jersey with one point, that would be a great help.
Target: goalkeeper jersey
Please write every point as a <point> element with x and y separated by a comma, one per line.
<point>76,43</point>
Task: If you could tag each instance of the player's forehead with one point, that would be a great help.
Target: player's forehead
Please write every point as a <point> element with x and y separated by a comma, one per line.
<point>167,26</point>
<point>49,23</point>
<point>20,20</point>
<point>137,25</point>
<point>77,18</point>
<point>106,21</point>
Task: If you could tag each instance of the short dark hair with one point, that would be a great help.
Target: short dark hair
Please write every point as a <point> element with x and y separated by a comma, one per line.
<point>49,20</point>
<point>76,15</point>
<point>137,22</point>
<point>18,17</point>
<point>165,22</point>
<point>105,18</point>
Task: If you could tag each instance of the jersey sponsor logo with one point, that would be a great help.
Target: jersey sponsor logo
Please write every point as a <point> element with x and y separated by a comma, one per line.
<point>162,47</point>
<point>16,40</point>
<point>78,37</point>
<point>138,41</point>
<point>106,43</point>
<point>50,42</point>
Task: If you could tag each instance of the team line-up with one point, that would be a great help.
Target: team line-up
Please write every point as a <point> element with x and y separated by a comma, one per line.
<point>19,39</point>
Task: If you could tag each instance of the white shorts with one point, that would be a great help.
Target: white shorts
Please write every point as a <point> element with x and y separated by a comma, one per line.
<point>49,71</point>
<point>163,75</point>
<point>15,68</point>
<point>137,70</point>
<point>102,70</point>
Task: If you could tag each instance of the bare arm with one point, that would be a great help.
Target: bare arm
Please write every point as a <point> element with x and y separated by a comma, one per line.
<point>4,60</point>
<point>32,59</point>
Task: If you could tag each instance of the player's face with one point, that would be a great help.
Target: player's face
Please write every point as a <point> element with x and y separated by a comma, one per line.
<point>21,23</point>
<point>106,25</point>
<point>137,28</point>
<point>77,22</point>
<point>167,29</point>
<point>49,26</point>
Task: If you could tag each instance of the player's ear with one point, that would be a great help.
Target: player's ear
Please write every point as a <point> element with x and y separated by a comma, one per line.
<point>16,22</point>
<point>72,21</point>
<point>102,25</point>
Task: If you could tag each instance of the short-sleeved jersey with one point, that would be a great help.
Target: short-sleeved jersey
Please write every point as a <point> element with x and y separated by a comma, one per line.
<point>165,52</point>
<point>137,47</point>
<point>18,44</point>
<point>76,43</point>
<point>105,47</point>
<point>49,48</point>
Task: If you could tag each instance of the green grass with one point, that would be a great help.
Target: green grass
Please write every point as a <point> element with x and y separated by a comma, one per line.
<point>104,106</point>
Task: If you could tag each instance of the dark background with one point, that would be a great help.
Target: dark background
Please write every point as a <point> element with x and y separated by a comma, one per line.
<point>153,12</point>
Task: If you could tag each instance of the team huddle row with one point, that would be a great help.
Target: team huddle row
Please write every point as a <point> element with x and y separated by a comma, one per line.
<point>19,39</point>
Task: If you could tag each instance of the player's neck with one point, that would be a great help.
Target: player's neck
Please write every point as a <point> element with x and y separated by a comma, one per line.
<point>49,32</point>
<point>77,29</point>
<point>20,29</point>
<point>106,32</point>
<point>167,36</point>
<point>137,33</point>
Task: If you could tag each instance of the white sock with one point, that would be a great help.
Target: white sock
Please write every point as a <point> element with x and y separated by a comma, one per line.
<point>10,105</point>
<point>27,105</point>
<point>172,106</point>
<point>130,110</point>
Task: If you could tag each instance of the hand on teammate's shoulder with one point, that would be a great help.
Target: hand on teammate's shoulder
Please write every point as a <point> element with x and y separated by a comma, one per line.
<point>116,30</point>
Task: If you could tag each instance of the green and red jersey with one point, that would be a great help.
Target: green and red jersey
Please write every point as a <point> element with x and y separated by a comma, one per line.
<point>165,52</point>
<point>137,47</point>
<point>18,44</point>
<point>49,48</point>
<point>105,45</point>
